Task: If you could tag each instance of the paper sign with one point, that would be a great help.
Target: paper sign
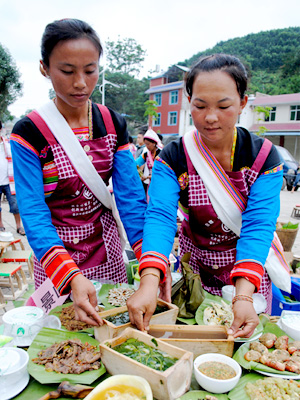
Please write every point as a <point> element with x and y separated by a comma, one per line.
<point>46,297</point>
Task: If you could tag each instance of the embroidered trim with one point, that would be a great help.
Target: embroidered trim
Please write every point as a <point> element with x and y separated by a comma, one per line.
<point>50,178</point>
<point>157,158</point>
<point>124,147</point>
<point>273,170</point>
<point>137,248</point>
<point>183,180</point>
<point>220,173</point>
<point>154,259</point>
<point>21,141</point>
<point>59,267</point>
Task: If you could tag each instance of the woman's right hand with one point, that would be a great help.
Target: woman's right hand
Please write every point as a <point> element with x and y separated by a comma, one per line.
<point>85,300</point>
<point>141,305</point>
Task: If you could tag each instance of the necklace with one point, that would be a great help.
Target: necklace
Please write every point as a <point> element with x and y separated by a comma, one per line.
<point>90,117</point>
<point>233,149</point>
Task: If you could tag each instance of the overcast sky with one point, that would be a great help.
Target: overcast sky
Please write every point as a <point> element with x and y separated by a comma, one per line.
<point>169,30</point>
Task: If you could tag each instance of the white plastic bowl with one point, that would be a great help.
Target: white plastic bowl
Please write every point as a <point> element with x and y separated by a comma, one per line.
<point>290,323</point>
<point>13,371</point>
<point>216,385</point>
<point>6,236</point>
<point>129,380</point>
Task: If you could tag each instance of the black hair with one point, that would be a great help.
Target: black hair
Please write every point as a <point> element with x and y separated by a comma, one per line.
<point>67,29</point>
<point>160,136</point>
<point>0,125</point>
<point>223,62</point>
<point>130,138</point>
<point>150,140</point>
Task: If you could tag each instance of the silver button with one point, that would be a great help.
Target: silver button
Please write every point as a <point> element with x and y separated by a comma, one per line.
<point>90,158</point>
<point>215,267</point>
<point>86,148</point>
<point>75,240</point>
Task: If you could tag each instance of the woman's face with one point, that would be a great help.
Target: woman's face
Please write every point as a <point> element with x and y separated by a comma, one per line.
<point>215,106</point>
<point>74,71</point>
<point>151,146</point>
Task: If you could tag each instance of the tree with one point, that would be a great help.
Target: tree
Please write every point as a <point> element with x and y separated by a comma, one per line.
<point>151,110</point>
<point>10,86</point>
<point>266,113</point>
<point>128,99</point>
<point>124,56</point>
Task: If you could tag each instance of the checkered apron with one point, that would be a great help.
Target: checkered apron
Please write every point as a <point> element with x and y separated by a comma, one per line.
<point>211,243</point>
<point>87,229</point>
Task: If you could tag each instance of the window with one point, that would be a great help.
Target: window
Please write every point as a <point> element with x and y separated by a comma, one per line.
<point>174,97</point>
<point>295,113</point>
<point>157,98</point>
<point>272,115</point>
<point>156,120</point>
<point>172,118</point>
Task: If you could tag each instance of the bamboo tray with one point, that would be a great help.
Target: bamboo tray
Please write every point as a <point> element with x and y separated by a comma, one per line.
<point>197,339</point>
<point>165,385</point>
<point>109,330</point>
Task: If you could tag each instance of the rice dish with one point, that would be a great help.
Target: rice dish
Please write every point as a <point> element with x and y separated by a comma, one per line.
<point>273,389</point>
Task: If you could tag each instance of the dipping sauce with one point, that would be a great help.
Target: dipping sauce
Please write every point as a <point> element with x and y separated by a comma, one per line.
<point>120,392</point>
<point>217,370</point>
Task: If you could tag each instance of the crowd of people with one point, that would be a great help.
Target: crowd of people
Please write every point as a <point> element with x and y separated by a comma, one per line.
<point>72,226</point>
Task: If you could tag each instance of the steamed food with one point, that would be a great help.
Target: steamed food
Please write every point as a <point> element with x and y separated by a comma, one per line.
<point>218,314</point>
<point>217,370</point>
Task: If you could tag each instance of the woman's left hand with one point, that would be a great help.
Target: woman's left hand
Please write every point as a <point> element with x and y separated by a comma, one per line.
<point>245,317</point>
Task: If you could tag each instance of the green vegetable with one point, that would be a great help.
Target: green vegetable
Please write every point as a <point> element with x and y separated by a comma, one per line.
<point>145,354</point>
<point>290,225</point>
<point>123,318</point>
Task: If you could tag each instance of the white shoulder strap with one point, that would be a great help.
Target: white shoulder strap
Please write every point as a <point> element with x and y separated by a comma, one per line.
<point>80,161</point>
<point>222,203</point>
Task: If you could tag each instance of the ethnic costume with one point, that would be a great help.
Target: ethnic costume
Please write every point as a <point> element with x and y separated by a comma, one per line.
<point>216,252</point>
<point>69,230</point>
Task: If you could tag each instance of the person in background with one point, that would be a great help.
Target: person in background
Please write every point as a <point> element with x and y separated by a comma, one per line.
<point>297,179</point>
<point>73,235</point>
<point>132,146</point>
<point>7,185</point>
<point>146,159</point>
<point>245,170</point>
<point>140,145</point>
<point>161,146</point>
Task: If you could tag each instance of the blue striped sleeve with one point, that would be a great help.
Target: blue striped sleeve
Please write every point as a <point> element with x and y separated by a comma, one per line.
<point>259,218</point>
<point>129,194</point>
<point>161,216</point>
<point>34,211</point>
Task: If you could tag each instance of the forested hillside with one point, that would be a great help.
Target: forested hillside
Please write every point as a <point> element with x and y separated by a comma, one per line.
<point>272,58</point>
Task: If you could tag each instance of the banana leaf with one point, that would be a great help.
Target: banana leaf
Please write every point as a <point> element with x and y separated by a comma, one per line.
<point>104,291</point>
<point>187,293</point>
<point>200,395</point>
<point>252,365</point>
<point>46,338</point>
<point>57,311</point>
<point>209,298</point>
<point>238,393</point>
<point>35,390</point>
<point>187,321</point>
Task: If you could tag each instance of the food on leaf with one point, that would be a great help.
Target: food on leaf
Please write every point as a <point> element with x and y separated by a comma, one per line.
<point>268,339</point>
<point>69,357</point>
<point>218,314</point>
